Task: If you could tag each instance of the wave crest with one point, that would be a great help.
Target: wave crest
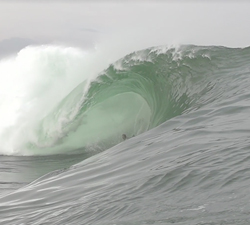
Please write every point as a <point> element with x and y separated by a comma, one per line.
<point>133,95</point>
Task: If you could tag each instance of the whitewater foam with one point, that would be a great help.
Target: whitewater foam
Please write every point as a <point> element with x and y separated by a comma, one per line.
<point>33,82</point>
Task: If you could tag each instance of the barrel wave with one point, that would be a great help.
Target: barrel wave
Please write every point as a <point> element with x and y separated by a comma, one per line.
<point>133,95</point>
<point>188,163</point>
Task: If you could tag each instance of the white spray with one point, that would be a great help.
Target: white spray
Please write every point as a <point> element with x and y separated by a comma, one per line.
<point>32,83</point>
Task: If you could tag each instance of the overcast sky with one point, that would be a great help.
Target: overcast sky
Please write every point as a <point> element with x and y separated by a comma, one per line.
<point>137,25</point>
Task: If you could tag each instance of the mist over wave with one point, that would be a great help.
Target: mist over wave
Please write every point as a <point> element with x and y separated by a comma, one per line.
<point>32,83</point>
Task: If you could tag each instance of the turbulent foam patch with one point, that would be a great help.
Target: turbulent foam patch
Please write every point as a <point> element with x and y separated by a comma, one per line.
<point>32,82</point>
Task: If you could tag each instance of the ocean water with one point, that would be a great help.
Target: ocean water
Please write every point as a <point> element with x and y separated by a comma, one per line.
<point>184,109</point>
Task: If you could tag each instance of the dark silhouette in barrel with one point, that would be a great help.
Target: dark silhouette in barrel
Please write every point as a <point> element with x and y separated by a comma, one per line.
<point>124,137</point>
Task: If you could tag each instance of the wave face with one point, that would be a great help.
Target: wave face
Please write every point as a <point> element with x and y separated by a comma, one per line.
<point>45,115</point>
<point>188,163</point>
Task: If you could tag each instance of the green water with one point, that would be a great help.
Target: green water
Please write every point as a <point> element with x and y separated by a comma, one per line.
<point>133,95</point>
